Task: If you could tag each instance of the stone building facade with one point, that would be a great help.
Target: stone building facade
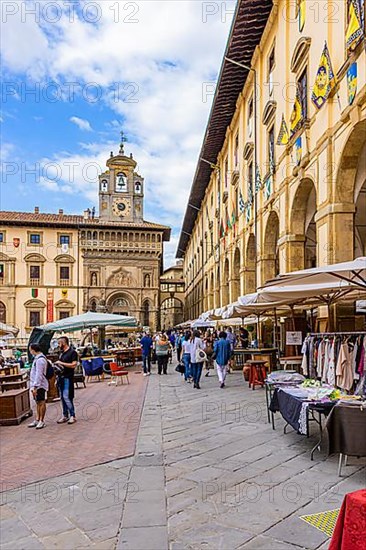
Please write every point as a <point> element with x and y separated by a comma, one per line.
<point>262,207</point>
<point>172,296</point>
<point>57,265</point>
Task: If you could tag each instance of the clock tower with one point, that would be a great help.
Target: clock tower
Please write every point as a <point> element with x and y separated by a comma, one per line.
<point>121,189</point>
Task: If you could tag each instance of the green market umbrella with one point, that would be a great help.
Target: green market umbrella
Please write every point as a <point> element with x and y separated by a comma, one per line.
<point>89,320</point>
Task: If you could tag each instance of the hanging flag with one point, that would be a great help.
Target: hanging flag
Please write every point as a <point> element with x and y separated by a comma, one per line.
<point>241,204</point>
<point>250,194</point>
<point>258,179</point>
<point>34,292</point>
<point>283,135</point>
<point>325,80</point>
<point>300,13</point>
<point>298,150</point>
<point>296,115</point>
<point>268,187</point>
<point>228,221</point>
<point>233,215</point>
<point>354,32</point>
<point>248,212</point>
<point>352,82</point>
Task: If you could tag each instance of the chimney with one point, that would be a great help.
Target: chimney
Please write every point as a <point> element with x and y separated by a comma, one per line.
<point>36,209</point>
<point>86,214</point>
<point>60,211</point>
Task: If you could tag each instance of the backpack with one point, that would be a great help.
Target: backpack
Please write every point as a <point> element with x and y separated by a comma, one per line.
<point>50,371</point>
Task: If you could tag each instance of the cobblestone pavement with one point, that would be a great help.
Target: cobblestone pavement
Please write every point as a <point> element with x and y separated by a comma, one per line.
<point>208,473</point>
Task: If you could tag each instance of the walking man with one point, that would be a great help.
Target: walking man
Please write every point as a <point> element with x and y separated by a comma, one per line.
<point>222,351</point>
<point>67,362</point>
<point>146,344</point>
<point>38,385</point>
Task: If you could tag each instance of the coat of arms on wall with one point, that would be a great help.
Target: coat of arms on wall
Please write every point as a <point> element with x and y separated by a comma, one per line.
<point>16,242</point>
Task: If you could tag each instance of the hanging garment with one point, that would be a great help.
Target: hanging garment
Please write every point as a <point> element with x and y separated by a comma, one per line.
<point>305,357</point>
<point>331,378</point>
<point>344,370</point>
<point>320,359</point>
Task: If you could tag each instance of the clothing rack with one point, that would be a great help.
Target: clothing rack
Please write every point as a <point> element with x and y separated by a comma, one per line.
<point>357,333</point>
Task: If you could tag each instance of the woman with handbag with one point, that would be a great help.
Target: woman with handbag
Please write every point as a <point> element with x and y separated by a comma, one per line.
<point>198,357</point>
<point>209,342</point>
<point>186,357</point>
<point>163,347</point>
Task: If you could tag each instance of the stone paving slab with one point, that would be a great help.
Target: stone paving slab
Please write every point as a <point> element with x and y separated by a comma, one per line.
<point>208,473</point>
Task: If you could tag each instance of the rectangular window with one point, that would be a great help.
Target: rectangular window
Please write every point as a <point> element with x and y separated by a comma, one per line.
<point>2,237</point>
<point>236,151</point>
<point>1,274</point>
<point>34,318</point>
<point>271,65</point>
<point>64,314</point>
<point>302,85</point>
<point>64,239</point>
<point>64,273</point>
<point>35,272</point>
<point>250,118</point>
<point>35,238</point>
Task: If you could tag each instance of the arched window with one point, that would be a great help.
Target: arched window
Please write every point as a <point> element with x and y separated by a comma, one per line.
<point>95,235</point>
<point>121,183</point>
<point>2,313</point>
<point>93,305</point>
<point>138,187</point>
<point>145,314</point>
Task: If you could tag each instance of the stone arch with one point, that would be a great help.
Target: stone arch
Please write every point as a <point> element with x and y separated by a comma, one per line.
<point>36,258</point>
<point>350,193</point>
<point>225,294</point>
<point>93,304</point>
<point>350,163</point>
<point>250,271</point>
<point>303,246</point>
<point>146,313</point>
<point>270,262</point>
<point>235,276</point>
<point>36,303</point>
<point>64,259</point>
<point>2,313</point>
<point>120,302</point>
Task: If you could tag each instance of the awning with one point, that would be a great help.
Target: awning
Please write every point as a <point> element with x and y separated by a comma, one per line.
<point>8,329</point>
<point>89,320</point>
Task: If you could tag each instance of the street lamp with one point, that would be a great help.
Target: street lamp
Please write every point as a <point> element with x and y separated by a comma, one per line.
<point>249,68</point>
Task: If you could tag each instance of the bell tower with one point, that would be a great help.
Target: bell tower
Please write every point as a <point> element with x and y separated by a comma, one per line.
<point>121,189</point>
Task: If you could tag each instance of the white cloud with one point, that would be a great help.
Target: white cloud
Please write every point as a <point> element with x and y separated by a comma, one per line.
<point>81,123</point>
<point>159,66</point>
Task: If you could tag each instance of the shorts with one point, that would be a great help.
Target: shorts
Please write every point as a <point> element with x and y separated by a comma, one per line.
<point>40,395</point>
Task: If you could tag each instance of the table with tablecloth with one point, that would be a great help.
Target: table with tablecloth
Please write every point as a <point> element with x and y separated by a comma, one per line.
<point>295,407</point>
<point>350,529</point>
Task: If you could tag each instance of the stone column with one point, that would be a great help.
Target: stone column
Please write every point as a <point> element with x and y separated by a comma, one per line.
<point>335,233</point>
<point>292,253</point>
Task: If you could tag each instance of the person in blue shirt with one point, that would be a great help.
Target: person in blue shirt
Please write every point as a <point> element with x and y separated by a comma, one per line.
<point>222,352</point>
<point>146,345</point>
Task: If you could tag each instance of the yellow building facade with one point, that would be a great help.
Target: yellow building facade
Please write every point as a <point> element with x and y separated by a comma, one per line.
<point>286,188</point>
<point>53,266</point>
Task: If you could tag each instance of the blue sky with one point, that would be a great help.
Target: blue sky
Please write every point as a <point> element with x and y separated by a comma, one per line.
<point>96,68</point>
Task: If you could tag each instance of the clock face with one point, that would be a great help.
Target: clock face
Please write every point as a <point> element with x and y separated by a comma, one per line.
<point>121,207</point>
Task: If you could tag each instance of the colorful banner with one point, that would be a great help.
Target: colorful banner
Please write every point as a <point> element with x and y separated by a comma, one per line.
<point>325,80</point>
<point>50,306</point>
<point>298,150</point>
<point>241,204</point>
<point>296,115</point>
<point>354,32</point>
<point>283,135</point>
<point>352,83</point>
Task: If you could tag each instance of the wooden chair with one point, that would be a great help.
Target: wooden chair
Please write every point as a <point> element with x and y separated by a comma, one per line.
<point>117,374</point>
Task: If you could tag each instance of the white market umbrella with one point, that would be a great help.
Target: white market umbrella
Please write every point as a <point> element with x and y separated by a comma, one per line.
<point>353,272</point>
